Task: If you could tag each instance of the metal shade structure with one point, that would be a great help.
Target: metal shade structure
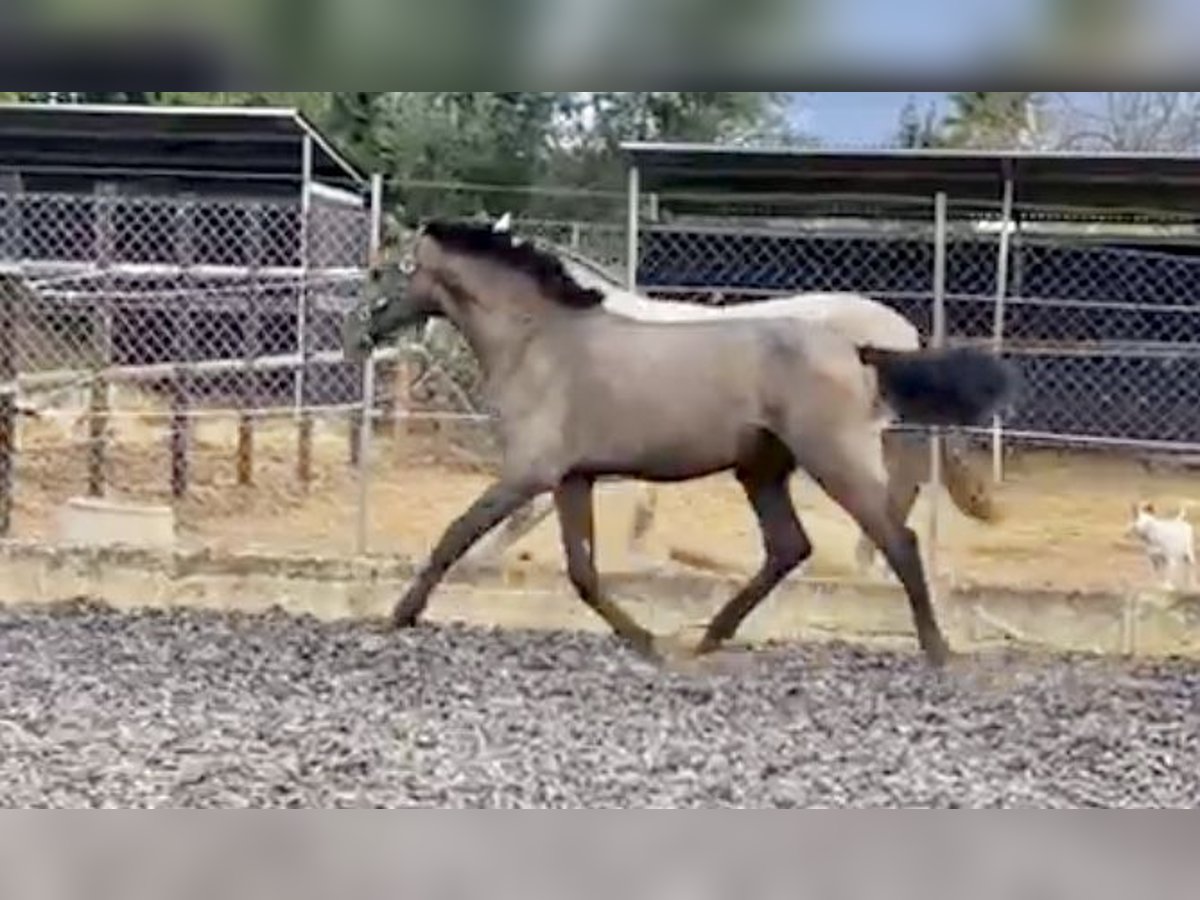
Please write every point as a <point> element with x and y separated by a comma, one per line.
<point>201,149</point>
<point>1113,181</point>
<point>930,185</point>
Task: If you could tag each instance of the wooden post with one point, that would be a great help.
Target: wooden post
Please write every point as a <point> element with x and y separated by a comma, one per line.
<point>252,344</point>
<point>356,419</point>
<point>183,346</point>
<point>10,252</point>
<point>98,407</point>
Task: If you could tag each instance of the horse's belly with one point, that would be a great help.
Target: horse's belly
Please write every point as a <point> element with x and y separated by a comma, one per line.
<point>665,445</point>
<point>669,404</point>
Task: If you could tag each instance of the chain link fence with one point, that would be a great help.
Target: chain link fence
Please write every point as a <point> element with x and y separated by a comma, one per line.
<point>1098,312</point>
<point>186,352</point>
<point>177,350</point>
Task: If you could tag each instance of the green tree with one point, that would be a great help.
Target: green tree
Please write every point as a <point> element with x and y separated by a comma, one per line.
<point>89,96</point>
<point>522,139</point>
<point>990,119</point>
<point>595,124</point>
<point>315,104</point>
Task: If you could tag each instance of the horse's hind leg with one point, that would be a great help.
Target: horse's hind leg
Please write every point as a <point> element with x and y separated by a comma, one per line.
<point>902,495</point>
<point>786,544</point>
<point>851,478</point>
<point>576,516</point>
<point>498,503</point>
<point>904,477</point>
<point>644,511</point>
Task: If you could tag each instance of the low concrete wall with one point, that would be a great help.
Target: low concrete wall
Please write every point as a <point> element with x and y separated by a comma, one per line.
<point>331,589</point>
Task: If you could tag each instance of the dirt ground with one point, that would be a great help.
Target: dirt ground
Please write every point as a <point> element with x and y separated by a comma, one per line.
<point>1064,519</point>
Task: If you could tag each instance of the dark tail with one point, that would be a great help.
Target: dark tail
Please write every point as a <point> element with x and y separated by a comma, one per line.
<point>942,387</point>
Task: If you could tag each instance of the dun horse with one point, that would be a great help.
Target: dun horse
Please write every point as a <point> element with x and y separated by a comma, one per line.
<point>581,394</point>
<point>860,319</point>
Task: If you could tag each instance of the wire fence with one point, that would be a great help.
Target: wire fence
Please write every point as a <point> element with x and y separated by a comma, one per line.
<point>134,325</point>
<point>1107,332</point>
<point>186,351</point>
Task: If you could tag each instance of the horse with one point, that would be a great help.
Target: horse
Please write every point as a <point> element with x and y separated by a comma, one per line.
<point>860,319</point>
<point>581,394</point>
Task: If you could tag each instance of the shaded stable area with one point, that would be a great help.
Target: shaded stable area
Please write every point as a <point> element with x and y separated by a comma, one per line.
<point>206,253</point>
<point>1083,268</point>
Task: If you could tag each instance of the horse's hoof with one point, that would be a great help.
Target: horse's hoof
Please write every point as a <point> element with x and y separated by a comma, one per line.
<point>405,621</point>
<point>939,656</point>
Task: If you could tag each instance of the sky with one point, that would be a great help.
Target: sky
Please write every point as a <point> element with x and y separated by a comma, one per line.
<point>950,35</point>
<point>865,118</point>
<point>856,117</point>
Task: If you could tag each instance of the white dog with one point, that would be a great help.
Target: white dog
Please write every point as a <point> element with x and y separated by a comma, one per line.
<point>1170,543</point>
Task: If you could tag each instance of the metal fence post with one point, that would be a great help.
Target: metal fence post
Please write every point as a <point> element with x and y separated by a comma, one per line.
<point>367,420</point>
<point>1007,223</point>
<point>633,229</point>
<point>105,252</point>
<point>937,341</point>
<point>10,252</point>
<point>251,349</point>
<point>304,323</point>
<point>183,351</point>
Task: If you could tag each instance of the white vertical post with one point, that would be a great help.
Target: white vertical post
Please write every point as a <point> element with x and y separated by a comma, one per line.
<point>1002,271</point>
<point>938,341</point>
<point>633,229</point>
<point>362,538</point>
<point>306,176</point>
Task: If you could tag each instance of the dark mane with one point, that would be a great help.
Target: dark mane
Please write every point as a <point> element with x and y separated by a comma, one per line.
<point>544,268</point>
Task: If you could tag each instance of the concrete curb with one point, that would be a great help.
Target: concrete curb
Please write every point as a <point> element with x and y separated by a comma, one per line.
<point>975,617</point>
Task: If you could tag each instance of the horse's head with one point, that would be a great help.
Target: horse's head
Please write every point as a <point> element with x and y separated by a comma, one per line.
<point>396,296</point>
<point>466,272</point>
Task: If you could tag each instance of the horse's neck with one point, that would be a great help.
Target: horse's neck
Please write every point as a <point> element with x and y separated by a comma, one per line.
<point>502,315</point>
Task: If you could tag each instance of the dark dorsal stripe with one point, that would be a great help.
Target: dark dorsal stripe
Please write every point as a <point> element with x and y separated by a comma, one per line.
<point>544,268</point>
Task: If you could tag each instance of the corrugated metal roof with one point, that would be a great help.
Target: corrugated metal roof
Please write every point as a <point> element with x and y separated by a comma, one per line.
<point>230,143</point>
<point>1150,181</point>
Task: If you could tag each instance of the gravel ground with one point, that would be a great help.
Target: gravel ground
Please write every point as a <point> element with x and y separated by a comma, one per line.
<point>207,710</point>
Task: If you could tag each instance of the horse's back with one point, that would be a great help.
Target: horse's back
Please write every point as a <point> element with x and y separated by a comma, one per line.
<point>860,319</point>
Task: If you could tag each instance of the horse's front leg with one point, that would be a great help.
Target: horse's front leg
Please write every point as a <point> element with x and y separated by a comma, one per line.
<point>490,550</point>
<point>497,504</point>
<point>576,515</point>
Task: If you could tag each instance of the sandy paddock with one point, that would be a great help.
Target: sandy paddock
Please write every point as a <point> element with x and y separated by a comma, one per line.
<point>1065,513</point>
